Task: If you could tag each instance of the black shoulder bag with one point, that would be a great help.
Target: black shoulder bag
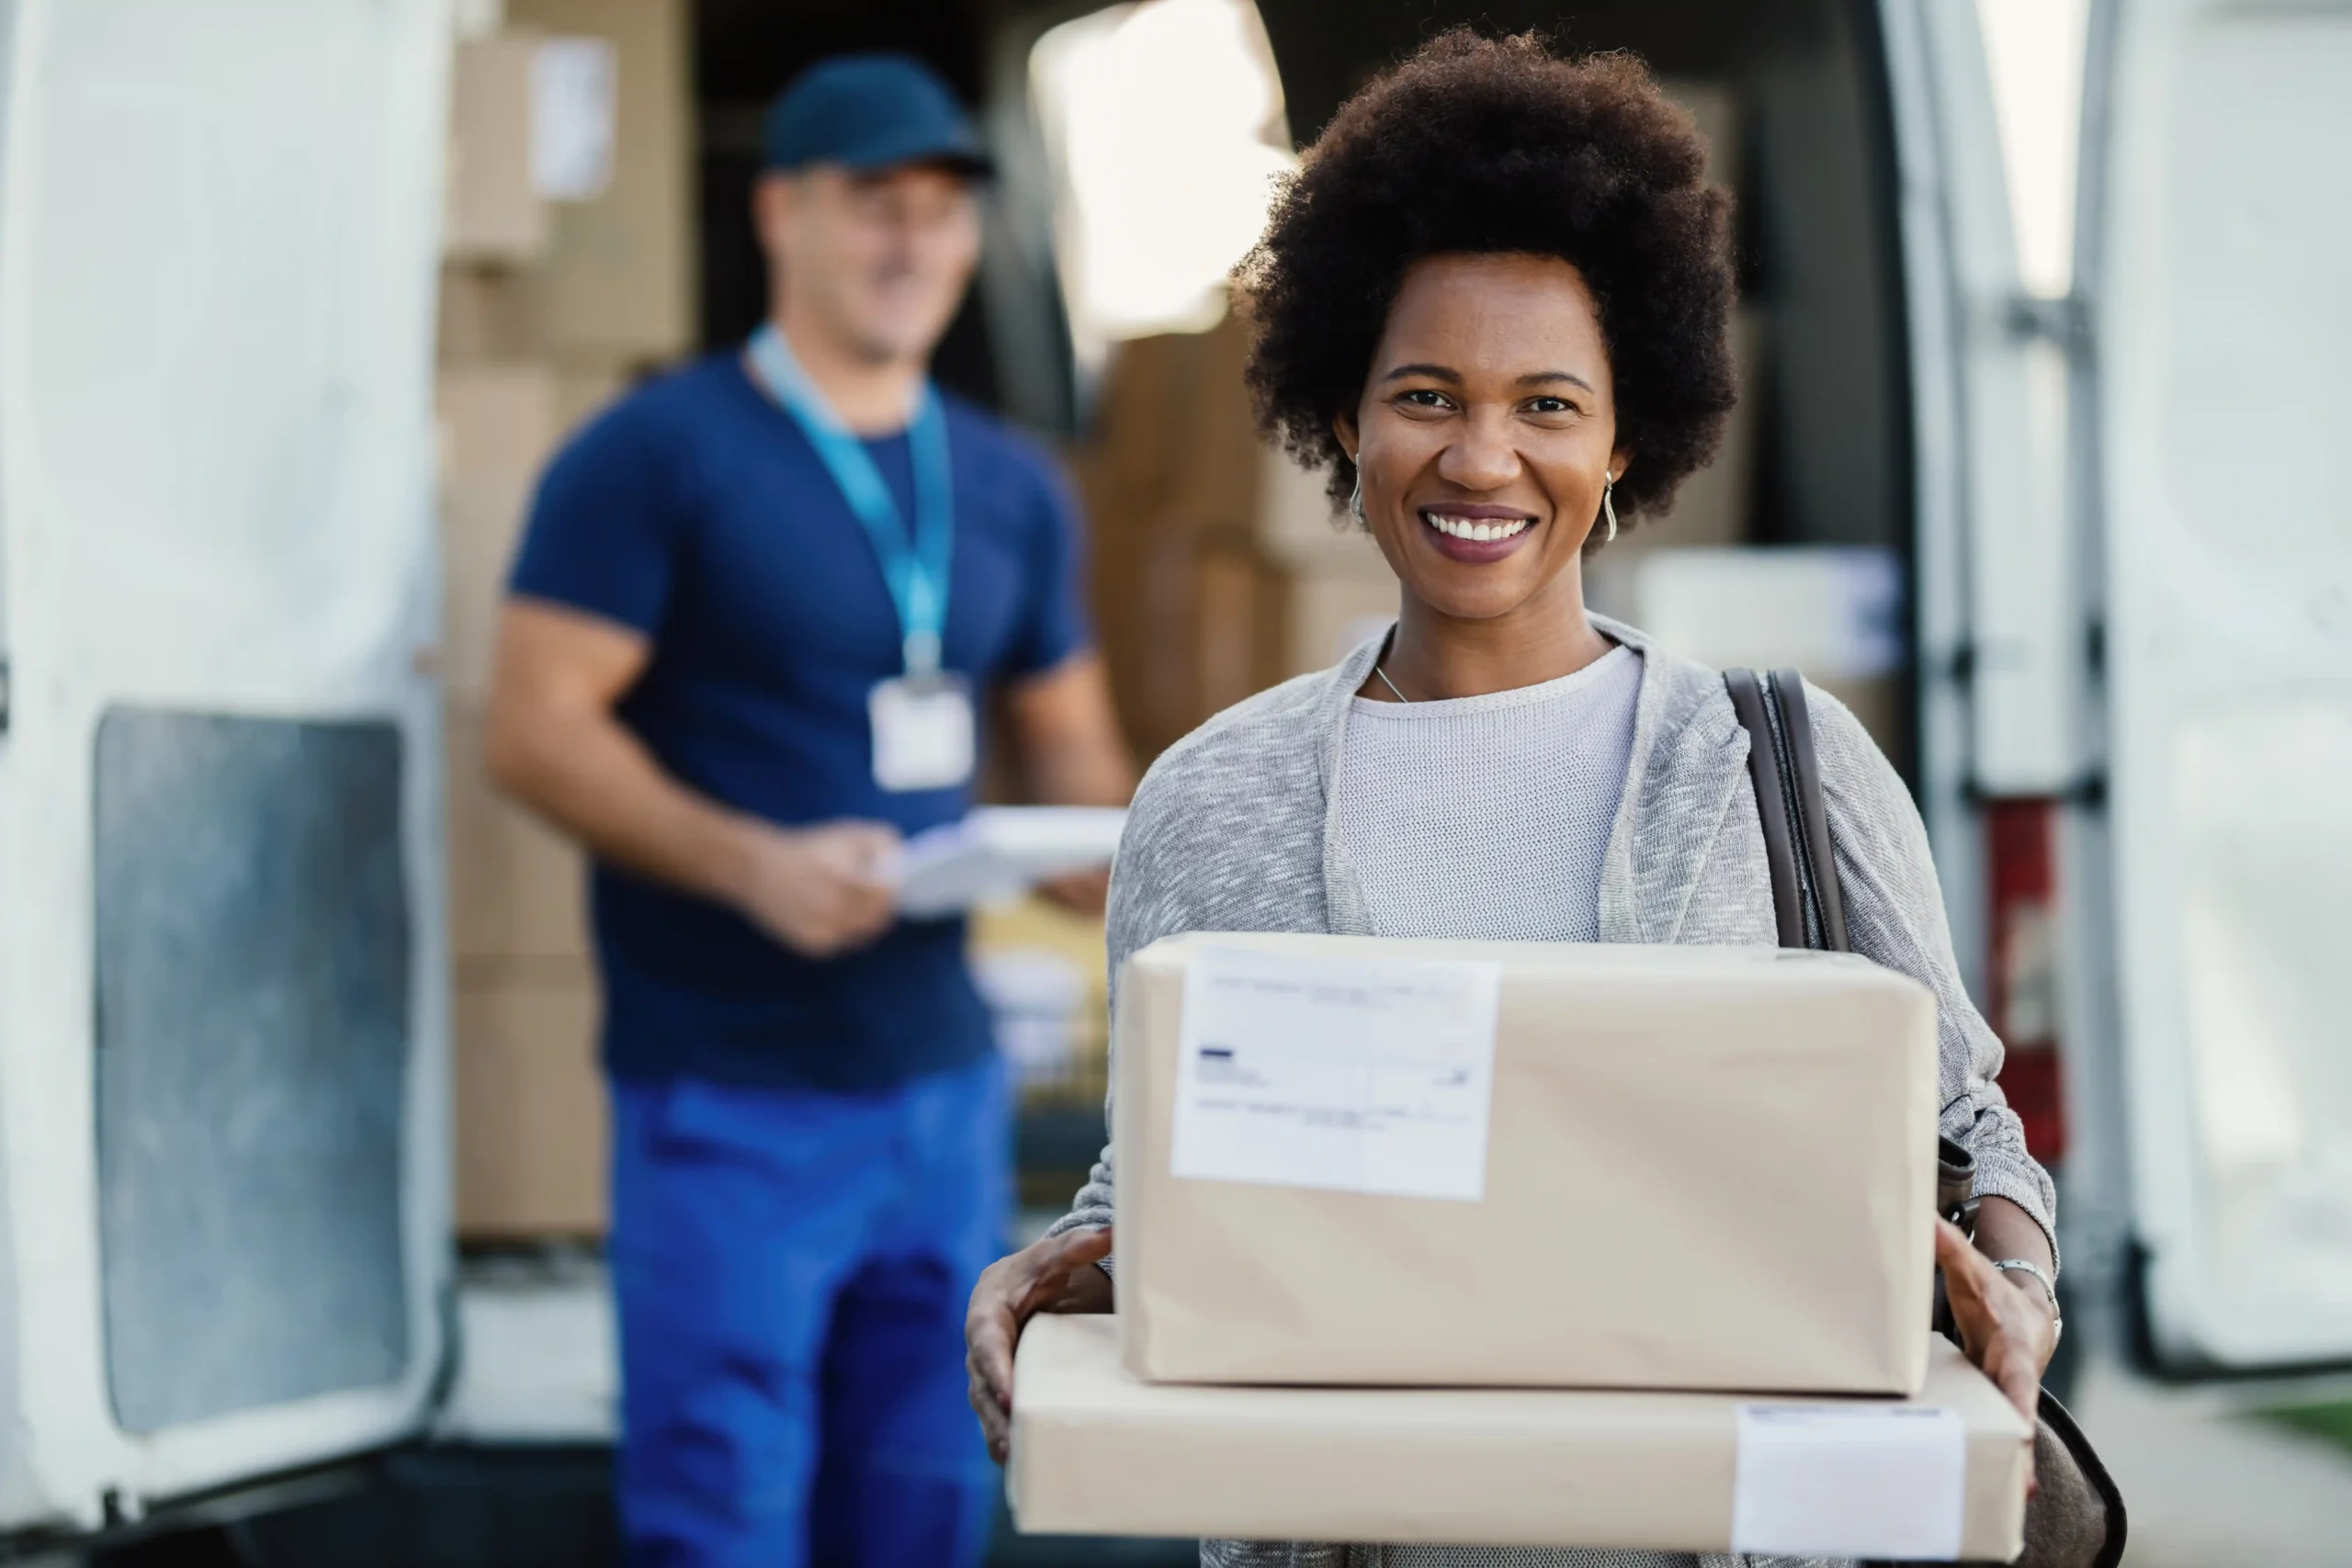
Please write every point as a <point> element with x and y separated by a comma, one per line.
<point>2077,1519</point>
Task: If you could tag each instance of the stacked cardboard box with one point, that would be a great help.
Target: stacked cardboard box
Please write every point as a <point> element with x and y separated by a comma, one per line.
<point>566,274</point>
<point>1459,1242</point>
<point>1190,609</point>
<point>1097,1451</point>
<point>1574,1129</point>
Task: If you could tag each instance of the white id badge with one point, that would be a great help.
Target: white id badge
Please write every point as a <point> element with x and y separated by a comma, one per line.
<point>925,736</point>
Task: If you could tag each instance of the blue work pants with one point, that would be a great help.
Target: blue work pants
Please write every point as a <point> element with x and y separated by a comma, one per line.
<point>791,1269</point>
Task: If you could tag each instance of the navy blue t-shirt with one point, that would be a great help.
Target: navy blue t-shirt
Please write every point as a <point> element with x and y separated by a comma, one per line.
<point>695,511</point>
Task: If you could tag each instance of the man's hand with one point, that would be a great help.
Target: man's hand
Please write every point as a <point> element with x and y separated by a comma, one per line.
<point>1057,1274</point>
<point>2009,1331</point>
<point>822,890</point>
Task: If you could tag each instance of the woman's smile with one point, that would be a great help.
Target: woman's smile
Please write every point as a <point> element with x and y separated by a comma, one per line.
<point>1475,532</point>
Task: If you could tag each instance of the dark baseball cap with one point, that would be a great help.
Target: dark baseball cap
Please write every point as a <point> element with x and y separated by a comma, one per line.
<point>871,111</point>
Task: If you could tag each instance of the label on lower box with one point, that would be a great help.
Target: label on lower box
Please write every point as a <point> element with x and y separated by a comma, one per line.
<point>1816,1481</point>
<point>1356,1075</point>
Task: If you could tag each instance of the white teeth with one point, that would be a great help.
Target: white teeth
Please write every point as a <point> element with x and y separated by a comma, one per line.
<point>1465,528</point>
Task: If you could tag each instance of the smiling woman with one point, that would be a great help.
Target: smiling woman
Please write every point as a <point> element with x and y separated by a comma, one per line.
<point>1494,304</point>
<point>1484,149</point>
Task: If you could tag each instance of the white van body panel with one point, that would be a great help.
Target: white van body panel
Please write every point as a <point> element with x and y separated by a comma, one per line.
<point>218,232</point>
<point>2213,257</point>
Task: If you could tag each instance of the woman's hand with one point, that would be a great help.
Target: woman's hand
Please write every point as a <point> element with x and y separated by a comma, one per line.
<point>2010,1332</point>
<point>1057,1274</point>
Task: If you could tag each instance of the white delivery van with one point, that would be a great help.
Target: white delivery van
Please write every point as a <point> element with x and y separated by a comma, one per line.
<point>224,1209</point>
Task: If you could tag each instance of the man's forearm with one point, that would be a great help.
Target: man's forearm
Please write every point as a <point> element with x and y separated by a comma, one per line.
<point>585,772</point>
<point>1081,774</point>
<point>1068,739</point>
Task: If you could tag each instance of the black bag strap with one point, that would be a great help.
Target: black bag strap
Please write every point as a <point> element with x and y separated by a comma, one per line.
<point>1813,810</point>
<point>1807,903</point>
<point>1786,771</point>
<point>1764,771</point>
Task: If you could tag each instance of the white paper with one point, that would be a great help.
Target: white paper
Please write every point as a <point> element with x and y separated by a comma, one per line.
<point>999,851</point>
<point>1356,1075</point>
<point>1852,1481</point>
<point>572,117</point>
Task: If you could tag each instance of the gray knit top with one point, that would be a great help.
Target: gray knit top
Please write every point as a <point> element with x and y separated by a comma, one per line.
<point>1234,829</point>
<point>1514,793</point>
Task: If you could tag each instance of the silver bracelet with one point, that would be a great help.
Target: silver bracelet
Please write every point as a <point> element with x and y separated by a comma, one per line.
<point>2027,1266</point>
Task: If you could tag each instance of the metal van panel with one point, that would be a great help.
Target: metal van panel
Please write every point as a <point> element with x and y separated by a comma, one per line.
<point>2002,663</point>
<point>1948,196</point>
<point>2213,247</point>
<point>218,247</point>
<point>254,947</point>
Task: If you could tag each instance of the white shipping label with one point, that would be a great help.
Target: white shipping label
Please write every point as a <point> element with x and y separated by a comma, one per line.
<point>1814,1481</point>
<point>572,90</point>
<point>1356,1075</point>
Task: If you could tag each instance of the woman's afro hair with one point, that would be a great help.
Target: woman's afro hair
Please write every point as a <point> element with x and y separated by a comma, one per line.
<point>1485,145</point>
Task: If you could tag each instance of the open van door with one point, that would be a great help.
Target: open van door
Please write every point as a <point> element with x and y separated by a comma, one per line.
<point>2003,654</point>
<point>2133,544</point>
<point>2215,217</point>
<point>223,1206</point>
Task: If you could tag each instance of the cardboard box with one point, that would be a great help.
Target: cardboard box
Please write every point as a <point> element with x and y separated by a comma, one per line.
<point>1097,1451</point>
<point>517,888</point>
<point>1189,624</point>
<point>489,315</point>
<point>581,392</point>
<point>496,420</point>
<point>1298,522</point>
<point>481,524</point>
<point>1714,505</point>
<point>617,282</point>
<point>1332,610</point>
<point>1715,108</point>
<point>1630,1166</point>
<point>531,1134</point>
<point>491,211</point>
<point>499,425</point>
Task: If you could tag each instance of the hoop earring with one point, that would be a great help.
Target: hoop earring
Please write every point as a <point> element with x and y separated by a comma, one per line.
<point>1608,506</point>
<point>1355,500</point>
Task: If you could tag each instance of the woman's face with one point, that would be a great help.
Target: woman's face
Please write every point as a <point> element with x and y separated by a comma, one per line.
<point>1488,428</point>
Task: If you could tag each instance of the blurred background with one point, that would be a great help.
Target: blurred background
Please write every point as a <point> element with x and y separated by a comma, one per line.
<point>2038,466</point>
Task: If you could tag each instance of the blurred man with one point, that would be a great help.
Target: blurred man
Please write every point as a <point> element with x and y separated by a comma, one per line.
<point>755,611</point>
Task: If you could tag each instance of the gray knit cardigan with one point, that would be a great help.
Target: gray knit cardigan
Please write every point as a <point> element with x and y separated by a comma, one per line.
<point>1233,831</point>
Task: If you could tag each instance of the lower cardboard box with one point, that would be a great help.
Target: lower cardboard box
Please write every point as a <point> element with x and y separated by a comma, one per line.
<point>1096,1452</point>
<point>518,889</point>
<point>531,1128</point>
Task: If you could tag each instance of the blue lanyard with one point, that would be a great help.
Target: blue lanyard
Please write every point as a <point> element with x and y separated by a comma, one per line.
<point>916,571</point>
